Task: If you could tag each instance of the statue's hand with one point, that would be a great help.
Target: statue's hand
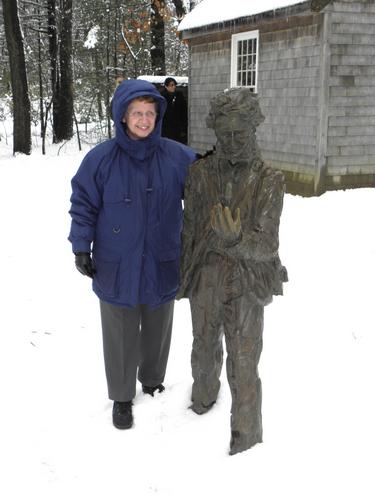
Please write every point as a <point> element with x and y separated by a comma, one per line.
<point>222,222</point>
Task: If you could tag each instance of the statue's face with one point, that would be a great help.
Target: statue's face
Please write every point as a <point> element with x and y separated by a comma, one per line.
<point>233,135</point>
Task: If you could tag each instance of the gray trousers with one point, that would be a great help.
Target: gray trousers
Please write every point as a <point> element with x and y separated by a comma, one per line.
<point>135,339</point>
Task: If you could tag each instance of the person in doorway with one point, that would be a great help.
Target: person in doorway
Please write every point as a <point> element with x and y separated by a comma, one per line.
<point>175,117</point>
<point>230,265</point>
<point>126,212</point>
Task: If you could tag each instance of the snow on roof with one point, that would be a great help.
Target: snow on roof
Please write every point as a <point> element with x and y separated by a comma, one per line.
<point>181,80</point>
<point>217,11</point>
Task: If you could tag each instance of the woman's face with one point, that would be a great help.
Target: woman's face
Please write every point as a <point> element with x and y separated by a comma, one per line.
<point>140,119</point>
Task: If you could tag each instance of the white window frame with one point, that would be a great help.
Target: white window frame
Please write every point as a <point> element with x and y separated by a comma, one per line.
<point>240,37</point>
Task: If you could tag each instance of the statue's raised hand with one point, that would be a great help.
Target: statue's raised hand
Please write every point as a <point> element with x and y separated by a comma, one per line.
<point>222,222</point>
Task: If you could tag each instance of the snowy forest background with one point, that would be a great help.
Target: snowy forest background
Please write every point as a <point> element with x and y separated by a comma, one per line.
<point>61,60</point>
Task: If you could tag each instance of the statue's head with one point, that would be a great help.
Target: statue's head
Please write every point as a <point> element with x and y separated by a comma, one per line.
<point>234,116</point>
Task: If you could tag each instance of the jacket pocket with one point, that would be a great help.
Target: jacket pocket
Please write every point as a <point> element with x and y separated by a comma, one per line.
<point>169,271</point>
<point>106,276</point>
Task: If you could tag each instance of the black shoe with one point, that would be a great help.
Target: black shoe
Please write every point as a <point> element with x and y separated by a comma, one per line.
<point>122,415</point>
<point>150,390</point>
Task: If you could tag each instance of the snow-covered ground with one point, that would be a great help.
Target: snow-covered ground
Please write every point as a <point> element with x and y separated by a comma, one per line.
<point>317,367</point>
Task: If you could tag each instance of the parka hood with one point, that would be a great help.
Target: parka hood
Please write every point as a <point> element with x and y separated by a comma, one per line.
<point>124,94</point>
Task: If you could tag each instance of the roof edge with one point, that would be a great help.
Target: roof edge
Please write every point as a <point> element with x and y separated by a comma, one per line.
<point>300,8</point>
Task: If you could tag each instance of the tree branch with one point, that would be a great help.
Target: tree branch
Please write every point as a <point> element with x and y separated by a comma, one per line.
<point>128,45</point>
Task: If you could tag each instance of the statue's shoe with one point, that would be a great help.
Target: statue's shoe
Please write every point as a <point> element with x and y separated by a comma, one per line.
<point>200,408</point>
<point>240,442</point>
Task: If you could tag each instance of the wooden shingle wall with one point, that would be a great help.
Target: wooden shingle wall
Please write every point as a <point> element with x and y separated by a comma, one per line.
<point>289,80</point>
<point>316,85</point>
<point>209,73</point>
<point>351,120</point>
<point>289,92</point>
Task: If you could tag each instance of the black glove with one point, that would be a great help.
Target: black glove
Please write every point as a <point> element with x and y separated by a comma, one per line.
<point>84,264</point>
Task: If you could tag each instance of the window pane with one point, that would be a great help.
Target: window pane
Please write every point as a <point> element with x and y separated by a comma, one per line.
<point>245,55</point>
<point>253,46</point>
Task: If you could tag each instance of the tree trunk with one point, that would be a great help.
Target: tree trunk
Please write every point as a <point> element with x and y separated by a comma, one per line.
<point>20,93</point>
<point>53,55</point>
<point>117,24</point>
<point>157,37</point>
<point>180,8</point>
<point>108,59</point>
<point>64,128</point>
<point>40,75</point>
<point>99,82</point>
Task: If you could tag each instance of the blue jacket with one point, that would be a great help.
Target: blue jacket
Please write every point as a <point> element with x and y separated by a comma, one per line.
<point>126,209</point>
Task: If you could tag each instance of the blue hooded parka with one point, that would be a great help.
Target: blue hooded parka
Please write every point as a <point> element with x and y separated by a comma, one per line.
<point>126,208</point>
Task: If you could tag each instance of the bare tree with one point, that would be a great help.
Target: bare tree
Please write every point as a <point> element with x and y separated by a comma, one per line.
<point>53,56</point>
<point>20,93</point>
<point>108,59</point>
<point>60,52</point>
<point>43,113</point>
<point>64,125</point>
<point>157,37</point>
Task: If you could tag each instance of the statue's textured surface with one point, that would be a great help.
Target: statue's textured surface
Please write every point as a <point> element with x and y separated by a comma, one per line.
<point>230,265</point>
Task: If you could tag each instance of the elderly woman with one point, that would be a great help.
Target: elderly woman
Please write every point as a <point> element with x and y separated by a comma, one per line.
<point>126,225</point>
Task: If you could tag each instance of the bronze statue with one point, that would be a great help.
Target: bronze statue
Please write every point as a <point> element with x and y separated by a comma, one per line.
<point>230,267</point>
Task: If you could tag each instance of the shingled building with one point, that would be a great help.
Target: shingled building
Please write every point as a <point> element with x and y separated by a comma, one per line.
<point>312,64</point>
